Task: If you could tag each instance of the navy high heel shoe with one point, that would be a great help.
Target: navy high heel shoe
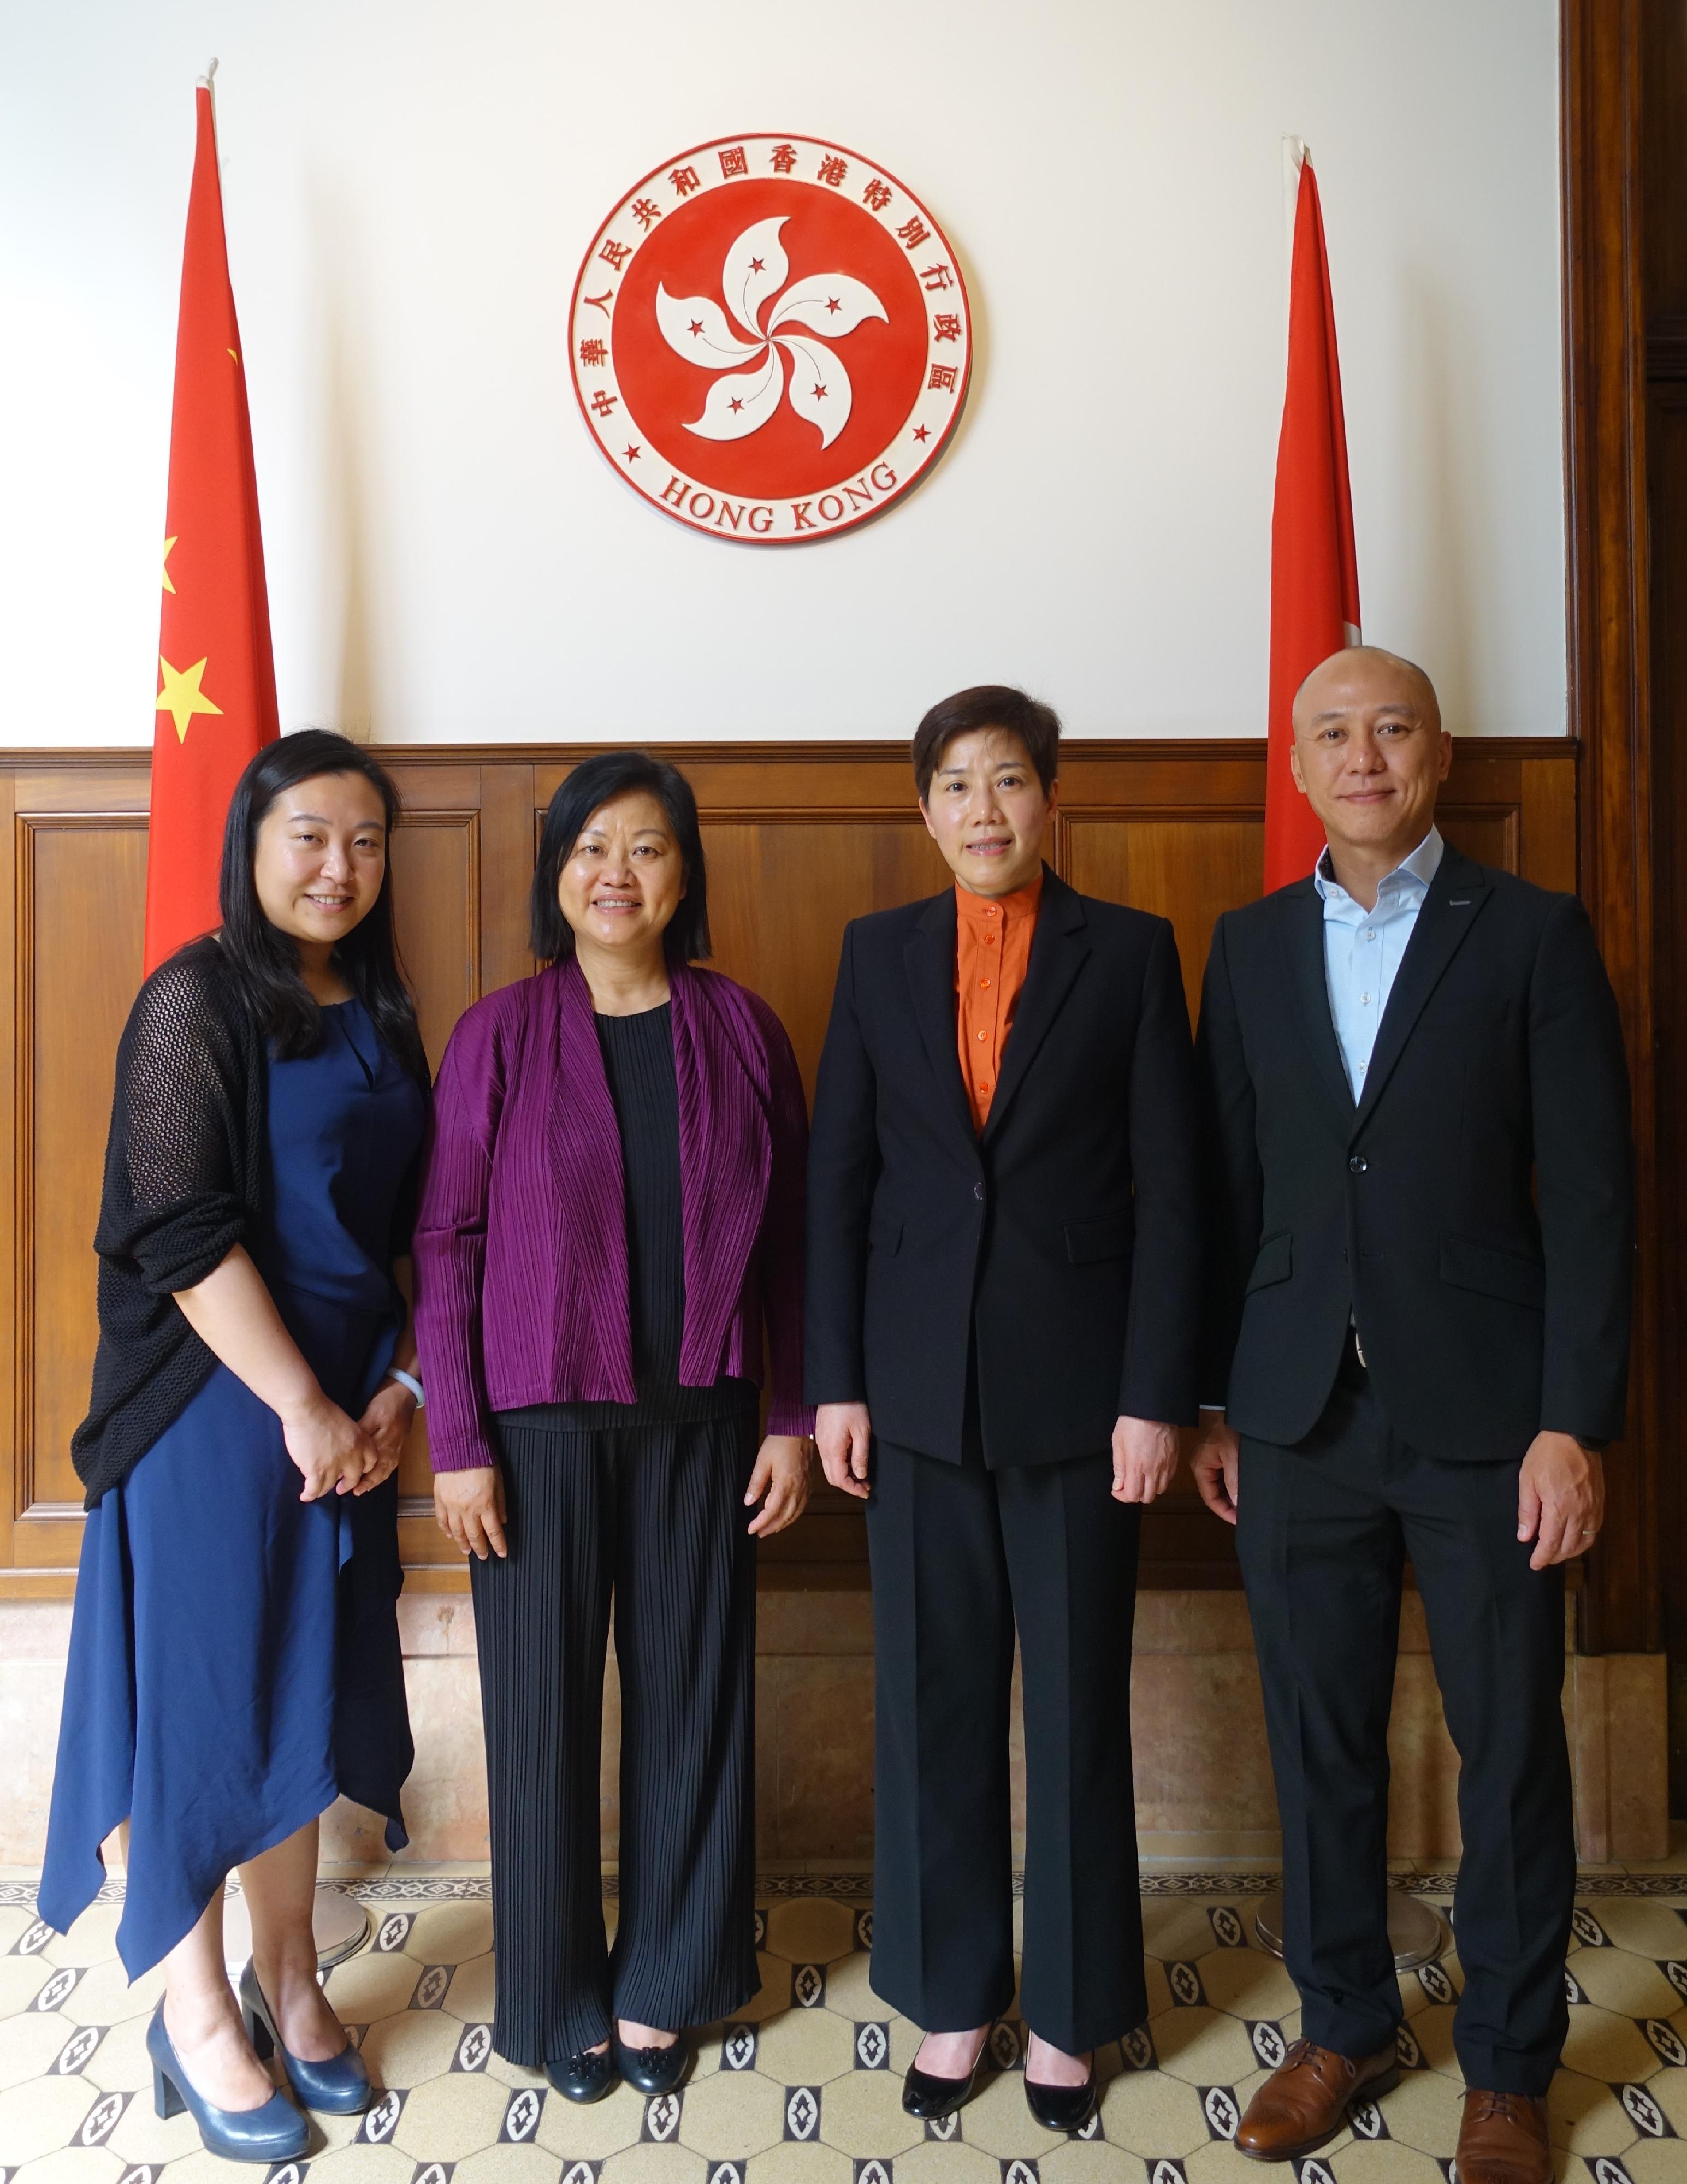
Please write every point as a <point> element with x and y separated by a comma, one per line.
<point>339,2086</point>
<point>275,2132</point>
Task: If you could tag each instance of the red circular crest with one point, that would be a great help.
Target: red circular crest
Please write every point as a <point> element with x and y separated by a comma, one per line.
<point>770,339</point>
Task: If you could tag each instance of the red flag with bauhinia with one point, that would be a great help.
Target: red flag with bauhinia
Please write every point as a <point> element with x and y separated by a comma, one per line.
<point>1315,571</point>
<point>216,702</point>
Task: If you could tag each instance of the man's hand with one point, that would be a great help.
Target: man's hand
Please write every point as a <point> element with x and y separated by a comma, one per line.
<point>1213,1464</point>
<point>1144,1458</point>
<point>1560,1499</point>
<point>468,1508</point>
<point>843,1433</point>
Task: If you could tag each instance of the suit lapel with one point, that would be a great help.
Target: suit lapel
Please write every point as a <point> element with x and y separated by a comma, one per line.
<point>929,958</point>
<point>1302,917</point>
<point>1059,946</point>
<point>1454,903</point>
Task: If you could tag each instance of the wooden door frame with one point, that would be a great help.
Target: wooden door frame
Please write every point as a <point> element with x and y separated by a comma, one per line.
<point>1607,613</point>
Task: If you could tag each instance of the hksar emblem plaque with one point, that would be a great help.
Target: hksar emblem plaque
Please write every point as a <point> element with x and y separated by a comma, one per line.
<point>770,339</point>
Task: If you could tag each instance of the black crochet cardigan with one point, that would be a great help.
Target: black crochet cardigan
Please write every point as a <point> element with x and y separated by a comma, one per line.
<point>185,1168</point>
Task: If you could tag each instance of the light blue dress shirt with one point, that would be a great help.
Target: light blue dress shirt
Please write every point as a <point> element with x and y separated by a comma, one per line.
<point>1363,949</point>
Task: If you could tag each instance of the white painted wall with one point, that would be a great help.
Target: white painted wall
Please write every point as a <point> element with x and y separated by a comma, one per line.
<point>410,185</point>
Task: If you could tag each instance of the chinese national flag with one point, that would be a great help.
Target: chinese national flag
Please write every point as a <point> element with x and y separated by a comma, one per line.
<point>1314,571</point>
<point>216,701</point>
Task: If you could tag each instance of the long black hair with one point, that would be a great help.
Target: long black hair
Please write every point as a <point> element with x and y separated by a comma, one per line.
<point>264,958</point>
<point>596,781</point>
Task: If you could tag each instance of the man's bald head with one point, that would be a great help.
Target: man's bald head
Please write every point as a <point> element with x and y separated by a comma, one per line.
<point>1369,753</point>
<point>1364,671</point>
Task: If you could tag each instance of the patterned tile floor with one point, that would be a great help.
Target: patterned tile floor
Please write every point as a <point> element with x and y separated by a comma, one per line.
<point>804,2088</point>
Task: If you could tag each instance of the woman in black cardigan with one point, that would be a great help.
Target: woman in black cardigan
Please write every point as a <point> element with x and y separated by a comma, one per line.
<point>234,1658</point>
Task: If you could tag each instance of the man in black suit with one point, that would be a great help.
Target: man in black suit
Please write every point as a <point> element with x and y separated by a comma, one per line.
<point>1003,1303</point>
<point>1420,1250</point>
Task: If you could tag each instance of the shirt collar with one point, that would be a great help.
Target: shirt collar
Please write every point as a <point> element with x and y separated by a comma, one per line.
<point>975,910</point>
<point>1412,875</point>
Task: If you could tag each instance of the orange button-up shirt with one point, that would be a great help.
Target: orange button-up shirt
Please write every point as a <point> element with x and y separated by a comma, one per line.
<point>992,952</point>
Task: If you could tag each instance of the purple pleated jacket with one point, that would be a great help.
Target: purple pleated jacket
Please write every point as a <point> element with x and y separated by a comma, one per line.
<point>521,1286</point>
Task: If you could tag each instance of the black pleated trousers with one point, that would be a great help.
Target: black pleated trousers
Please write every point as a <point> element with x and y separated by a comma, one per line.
<point>652,1518</point>
<point>961,1558</point>
<point>1323,1531</point>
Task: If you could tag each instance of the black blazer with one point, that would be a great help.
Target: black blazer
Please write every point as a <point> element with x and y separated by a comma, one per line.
<point>1070,1231</point>
<point>1473,1213</point>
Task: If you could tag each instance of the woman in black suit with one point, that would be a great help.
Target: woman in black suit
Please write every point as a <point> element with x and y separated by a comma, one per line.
<point>1003,1283</point>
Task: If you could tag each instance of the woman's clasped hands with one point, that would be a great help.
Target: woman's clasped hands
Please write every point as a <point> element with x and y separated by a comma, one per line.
<point>335,1453</point>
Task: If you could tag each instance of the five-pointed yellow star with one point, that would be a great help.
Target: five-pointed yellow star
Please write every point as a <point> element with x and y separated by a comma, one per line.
<point>181,696</point>
<point>168,543</point>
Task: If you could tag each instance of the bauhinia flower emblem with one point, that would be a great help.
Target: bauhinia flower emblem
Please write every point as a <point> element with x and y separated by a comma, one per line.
<point>741,402</point>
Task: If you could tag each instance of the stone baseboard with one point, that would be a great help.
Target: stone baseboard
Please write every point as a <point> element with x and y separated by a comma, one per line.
<point>1204,1786</point>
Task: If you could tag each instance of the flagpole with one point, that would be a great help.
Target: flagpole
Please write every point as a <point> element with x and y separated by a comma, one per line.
<point>1415,1931</point>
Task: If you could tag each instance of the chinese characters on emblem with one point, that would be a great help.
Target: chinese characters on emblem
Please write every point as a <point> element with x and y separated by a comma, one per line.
<point>811,380</point>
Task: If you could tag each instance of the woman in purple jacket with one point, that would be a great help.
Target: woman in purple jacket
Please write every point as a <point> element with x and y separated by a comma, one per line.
<point>612,1216</point>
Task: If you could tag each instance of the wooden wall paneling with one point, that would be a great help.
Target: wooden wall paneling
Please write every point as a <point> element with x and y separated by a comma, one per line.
<point>821,867</point>
<point>77,899</point>
<point>1664,238</point>
<point>1620,1608</point>
<point>1666,452</point>
<point>782,888</point>
<point>801,839</point>
<point>436,893</point>
<point>11,1196</point>
<point>436,862</point>
<point>1189,865</point>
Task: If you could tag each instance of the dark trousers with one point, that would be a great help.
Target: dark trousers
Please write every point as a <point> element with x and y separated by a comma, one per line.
<point>1324,1530</point>
<point>654,1516</point>
<point>960,1557</point>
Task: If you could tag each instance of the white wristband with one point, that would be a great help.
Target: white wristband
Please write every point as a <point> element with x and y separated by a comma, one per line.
<point>409,1380</point>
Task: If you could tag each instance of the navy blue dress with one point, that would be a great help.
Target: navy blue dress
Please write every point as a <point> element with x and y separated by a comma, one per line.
<point>234,1658</point>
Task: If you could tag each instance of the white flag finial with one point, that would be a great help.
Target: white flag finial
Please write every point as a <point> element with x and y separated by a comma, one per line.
<point>1295,155</point>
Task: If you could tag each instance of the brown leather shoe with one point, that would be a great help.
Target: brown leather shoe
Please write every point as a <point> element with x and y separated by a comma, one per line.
<point>1304,2102</point>
<point>1503,2140</point>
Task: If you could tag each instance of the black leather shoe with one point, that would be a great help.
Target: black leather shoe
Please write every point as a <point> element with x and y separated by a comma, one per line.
<point>931,2098</point>
<point>1062,2107</point>
<point>653,2069</point>
<point>584,2077</point>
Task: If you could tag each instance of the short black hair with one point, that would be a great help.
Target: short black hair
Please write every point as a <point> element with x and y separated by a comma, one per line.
<point>593,783</point>
<point>988,705</point>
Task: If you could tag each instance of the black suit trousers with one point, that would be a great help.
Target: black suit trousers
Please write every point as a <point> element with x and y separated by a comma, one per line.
<point>961,1555</point>
<point>1324,1529</point>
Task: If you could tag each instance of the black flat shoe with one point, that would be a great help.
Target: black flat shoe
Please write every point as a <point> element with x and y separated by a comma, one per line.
<point>653,2069</point>
<point>931,2098</point>
<point>584,2077</point>
<point>1062,2107</point>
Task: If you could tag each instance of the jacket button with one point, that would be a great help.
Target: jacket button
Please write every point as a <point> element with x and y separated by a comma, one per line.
<point>1359,1164</point>
<point>978,1190</point>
